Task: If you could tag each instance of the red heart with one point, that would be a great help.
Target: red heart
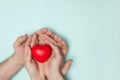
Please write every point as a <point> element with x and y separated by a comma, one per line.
<point>41,52</point>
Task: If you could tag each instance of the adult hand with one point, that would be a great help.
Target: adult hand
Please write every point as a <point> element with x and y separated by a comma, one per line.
<point>34,68</point>
<point>55,64</point>
<point>15,62</point>
<point>54,38</point>
<point>19,47</point>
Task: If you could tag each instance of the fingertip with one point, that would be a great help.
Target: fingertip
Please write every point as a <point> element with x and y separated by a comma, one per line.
<point>30,37</point>
<point>34,37</point>
<point>49,32</point>
<point>70,61</point>
<point>64,43</point>
<point>55,37</point>
<point>25,36</point>
<point>28,40</point>
<point>34,34</point>
<point>52,35</point>
<point>44,30</point>
<point>67,66</point>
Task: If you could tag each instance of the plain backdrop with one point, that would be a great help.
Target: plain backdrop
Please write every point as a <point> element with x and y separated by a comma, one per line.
<point>90,27</point>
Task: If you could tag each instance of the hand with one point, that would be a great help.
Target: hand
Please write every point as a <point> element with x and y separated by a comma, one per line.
<point>19,47</point>
<point>14,63</point>
<point>34,68</point>
<point>61,43</point>
<point>48,34</point>
<point>54,65</point>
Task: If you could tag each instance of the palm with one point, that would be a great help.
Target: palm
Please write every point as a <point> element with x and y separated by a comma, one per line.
<point>54,63</point>
<point>35,41</point>
<point>63,50</point>
<point>34,68</point>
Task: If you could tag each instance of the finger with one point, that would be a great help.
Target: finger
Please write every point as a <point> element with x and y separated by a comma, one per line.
<point>40,65</point>
<point>34,62</point>
<point>34,38</point>
<point>54,47</point>
<point>28,56</point>
<point>20,40</point>
<point>66,67</point>
<point>61,43</point>
<point>57,38</point>
<point>28,42</point>
<point>40,42</point>
<point>49,33</point>
<point>42,31</point>
<point>64,48</point>
<point>37,40</point>
<point>45,31</point>
<point>50,39</point>
<point>41,39</point>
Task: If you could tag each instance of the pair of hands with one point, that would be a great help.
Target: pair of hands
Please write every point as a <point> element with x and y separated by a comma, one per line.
<point>55,67</point>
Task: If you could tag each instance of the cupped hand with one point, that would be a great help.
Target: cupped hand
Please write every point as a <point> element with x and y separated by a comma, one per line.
<point>34,68</point>
<point>53,67</point>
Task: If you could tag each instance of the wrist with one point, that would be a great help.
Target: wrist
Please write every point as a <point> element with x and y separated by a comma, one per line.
<point>18,60</point>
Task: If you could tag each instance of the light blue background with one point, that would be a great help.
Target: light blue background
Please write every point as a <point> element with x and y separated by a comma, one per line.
<point>91,28</point>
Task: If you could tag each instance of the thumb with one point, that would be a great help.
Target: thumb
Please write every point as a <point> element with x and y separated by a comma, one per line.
<point>66,66</point>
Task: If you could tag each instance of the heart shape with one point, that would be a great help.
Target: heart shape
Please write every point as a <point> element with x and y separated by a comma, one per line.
<point>41,53</point>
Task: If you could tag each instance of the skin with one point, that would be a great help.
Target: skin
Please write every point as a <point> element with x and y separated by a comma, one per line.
<point>13,64</point>
<point>17,60</point>
<point>54,68</point>
<point>34,69</point>
<point>61,43</point>
<point>65,64</point>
